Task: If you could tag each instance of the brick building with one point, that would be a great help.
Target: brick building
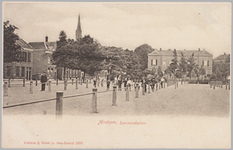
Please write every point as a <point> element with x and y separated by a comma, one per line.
<point>162,58</point>
<point>42,52</point>
<point>22,69</point>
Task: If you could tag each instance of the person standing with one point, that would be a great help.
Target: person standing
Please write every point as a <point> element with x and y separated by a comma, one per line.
<point>108,84</point>
<point>43,81</point>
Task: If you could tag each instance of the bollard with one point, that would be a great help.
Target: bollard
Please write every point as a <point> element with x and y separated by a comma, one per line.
<point>164,85</point>
<point>159,85</point>
<point>114,96</point>
<point>72,81</point>
<point>64,84</point>
<point>86,83</point>
<point>9,83</point>
<point>49,86</point>
<point>57,82</point>
<point>210,85</point>
<point>36,81</point>
<point>229,86</point>
<point>102,83</point>
<point>214,87</point>
<point>31,87</point>
<point>177,83</point>
<point>5,89</point>
<point>136,93</point>
<point>143,89</point>
<point>94,100</point>
<point>127,93</point>
<point>59,101</point>
<point>148,88</point>
<point>76,83</point>
<point>23,82</point>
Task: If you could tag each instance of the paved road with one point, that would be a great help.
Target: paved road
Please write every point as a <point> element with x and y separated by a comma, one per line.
<point>185,100</point>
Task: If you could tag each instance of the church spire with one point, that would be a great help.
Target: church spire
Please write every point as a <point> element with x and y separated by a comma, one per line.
<point>78,31</point>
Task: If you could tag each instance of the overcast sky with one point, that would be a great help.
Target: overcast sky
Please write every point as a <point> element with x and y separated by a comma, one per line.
<point>128,25</point>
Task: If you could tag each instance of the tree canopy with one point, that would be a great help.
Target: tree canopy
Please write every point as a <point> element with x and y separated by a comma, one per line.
<point>11,49</point>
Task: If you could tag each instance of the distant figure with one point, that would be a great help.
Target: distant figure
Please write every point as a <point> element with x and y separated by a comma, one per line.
<point>129,82</point>
<point>162,80</point>
<point>125,83</point>
<point>108,84</point>
<point>119,82</point>
<point>43,81</point>
<point>94,82</point>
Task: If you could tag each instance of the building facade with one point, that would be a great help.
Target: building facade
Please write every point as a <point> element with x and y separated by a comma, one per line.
<point>222,58</point>
<point>23,68</point>
<point>162,58</point>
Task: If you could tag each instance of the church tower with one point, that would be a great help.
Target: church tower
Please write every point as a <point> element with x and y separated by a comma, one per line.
<point>79,31</point>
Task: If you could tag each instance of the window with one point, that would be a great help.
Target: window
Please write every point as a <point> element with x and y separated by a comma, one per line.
<point>23,72</point>
<point>17,71</point>
<point>29,57</point>
<point>202,62</point>
<point>153,62</point>
<point>25,56</point>
<point>205,63</point>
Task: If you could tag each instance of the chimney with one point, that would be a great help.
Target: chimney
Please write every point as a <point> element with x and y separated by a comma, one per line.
<point>160,49</point>
<point>224,53</point>
<point>199,49</point>
<point>46,39</point>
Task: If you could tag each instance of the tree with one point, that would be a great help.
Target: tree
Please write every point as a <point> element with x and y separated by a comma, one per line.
<point>142,53</point>
<point>61,56</point>
<point>202,72</point>
<point>183,65</point>
<point>11,49</point>
<point>221,70</point>
<point>173,67</point>
<point>192,66</point>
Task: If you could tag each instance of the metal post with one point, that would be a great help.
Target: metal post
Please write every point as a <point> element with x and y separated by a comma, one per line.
<point>23,82</point>
<point>5,89</point>
<point>229,86</point>
<point>94,100</point>
<point>143,89</point>
<point>76,83</point>
<point>49,86</point>
<point>36,81</point>
<point>59,103</point>
<point>65,84</point>
<point>127,93</point>
<point>57,81</point>
<point>86,83</point>
<point>214,87</point>
<point>9,83</point>
<point>31,87</point>
<point>114,96</point>
<point>226,86</point>
<point>72,81</point>
<point>136,93</point>
<point>102,83</point>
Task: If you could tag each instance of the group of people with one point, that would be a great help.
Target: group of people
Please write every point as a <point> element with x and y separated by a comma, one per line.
<point>130,83</point>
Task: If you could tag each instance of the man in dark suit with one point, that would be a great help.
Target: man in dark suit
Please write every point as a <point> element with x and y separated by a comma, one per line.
<point>43,81</point>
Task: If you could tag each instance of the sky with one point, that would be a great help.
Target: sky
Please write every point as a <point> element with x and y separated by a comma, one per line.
<point>128,25</point>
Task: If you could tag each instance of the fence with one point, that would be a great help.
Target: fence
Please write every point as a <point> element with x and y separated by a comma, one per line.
<point>219,84</point>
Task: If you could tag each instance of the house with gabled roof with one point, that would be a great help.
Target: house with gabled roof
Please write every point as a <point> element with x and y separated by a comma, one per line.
<point>23,68</point>
<point>162,58</point>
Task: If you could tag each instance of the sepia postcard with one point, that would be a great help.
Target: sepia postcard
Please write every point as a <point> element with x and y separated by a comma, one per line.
<point>116,75</point>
